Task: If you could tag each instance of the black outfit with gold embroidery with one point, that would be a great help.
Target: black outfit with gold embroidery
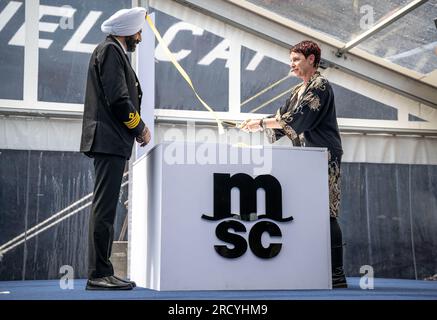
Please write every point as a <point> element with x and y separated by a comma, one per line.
<point>111,121</point>
<point>309,118</point>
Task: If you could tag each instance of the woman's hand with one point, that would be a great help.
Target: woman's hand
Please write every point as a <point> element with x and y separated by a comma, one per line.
<point>251,125</point>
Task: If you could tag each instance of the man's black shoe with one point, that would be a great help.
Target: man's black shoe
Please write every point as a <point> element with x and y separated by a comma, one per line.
<point>132,283</point>
<point>107,283</point>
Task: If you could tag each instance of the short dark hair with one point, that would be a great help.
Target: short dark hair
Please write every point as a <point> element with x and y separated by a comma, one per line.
<point>308,48</point>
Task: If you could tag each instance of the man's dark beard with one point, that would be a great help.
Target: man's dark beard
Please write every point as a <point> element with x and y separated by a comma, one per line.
<point>131,43</point>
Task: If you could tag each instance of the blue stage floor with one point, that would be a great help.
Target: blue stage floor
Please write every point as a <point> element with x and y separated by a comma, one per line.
<point>384,289</point>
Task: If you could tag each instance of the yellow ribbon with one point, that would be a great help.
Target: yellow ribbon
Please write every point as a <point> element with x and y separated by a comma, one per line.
<point>182,72</point>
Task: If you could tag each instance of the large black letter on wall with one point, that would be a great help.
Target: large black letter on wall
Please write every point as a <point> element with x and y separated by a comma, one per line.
<point>240,244</point>
<point>255,239</point>
<point>223,184</point>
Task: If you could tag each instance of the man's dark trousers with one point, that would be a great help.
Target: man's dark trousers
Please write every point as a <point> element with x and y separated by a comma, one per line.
<point>108,176</point>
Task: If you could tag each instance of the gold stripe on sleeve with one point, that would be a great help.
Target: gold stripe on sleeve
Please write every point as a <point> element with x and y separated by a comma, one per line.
<point>133,123</point>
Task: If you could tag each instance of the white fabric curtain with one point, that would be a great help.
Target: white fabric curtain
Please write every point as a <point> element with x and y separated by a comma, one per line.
<point>30,133</point>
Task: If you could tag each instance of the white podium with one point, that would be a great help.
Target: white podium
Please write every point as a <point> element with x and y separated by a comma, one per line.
<point>202,220</point>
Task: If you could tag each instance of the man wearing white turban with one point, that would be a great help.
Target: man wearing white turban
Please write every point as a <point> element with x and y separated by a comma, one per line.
<point>111,123</point>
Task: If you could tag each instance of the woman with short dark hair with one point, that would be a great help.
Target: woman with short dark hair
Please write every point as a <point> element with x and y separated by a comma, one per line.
<point>309,119</point>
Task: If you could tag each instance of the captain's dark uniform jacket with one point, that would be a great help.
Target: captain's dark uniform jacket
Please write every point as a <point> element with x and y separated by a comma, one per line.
<point>111,118</point>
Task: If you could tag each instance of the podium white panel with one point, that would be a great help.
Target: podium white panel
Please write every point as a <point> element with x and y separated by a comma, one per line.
<point>173,246</point>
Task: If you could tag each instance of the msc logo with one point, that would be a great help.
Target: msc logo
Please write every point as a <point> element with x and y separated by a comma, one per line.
<point>248,186</point>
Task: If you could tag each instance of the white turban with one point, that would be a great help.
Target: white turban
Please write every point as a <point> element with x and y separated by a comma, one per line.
<point>125,22</point>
